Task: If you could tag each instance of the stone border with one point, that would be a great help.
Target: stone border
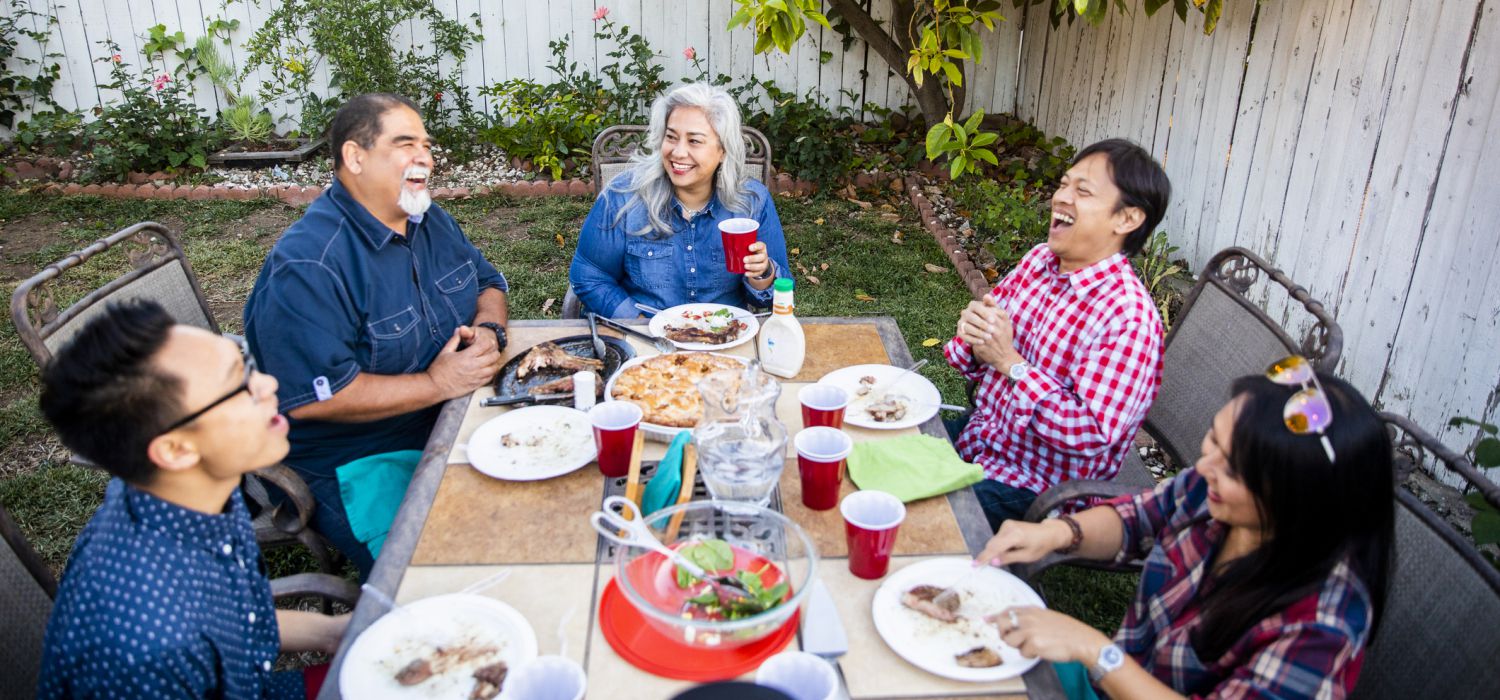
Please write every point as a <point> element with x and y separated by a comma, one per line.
<point>947,238</point>
<point>302,195</point>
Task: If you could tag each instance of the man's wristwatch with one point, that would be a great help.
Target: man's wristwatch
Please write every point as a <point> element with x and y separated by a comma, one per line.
<point>499,333</point>
<point>1018,371</point>
<point>1110,658</point>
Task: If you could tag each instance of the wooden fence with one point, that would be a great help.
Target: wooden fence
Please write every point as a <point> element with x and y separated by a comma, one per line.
<point>1345,140</point>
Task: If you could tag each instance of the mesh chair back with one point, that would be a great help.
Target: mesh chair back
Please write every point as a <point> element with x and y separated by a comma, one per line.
<point>159,271</point>
<point>26,590</point>
<point>1440,634</point>
<point>1220,335</point>
<point>614,146</point>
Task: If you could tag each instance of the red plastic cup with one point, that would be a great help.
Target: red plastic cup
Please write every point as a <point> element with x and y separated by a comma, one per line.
<point>871,519</point>
<point>737,235</point>
<point>821,452</point>
<point>615,423</point>
<point>823,404</point>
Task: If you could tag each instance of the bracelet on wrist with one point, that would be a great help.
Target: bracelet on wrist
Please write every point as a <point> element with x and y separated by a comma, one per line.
<point>1077,534</point>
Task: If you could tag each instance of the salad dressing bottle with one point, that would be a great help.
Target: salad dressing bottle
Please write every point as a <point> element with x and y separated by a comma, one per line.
<point>783,346</point>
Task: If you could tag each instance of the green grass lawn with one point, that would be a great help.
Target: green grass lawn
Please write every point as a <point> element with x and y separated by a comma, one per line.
<point>870,270</point>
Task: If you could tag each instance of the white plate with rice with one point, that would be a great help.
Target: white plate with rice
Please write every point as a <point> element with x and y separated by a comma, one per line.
<point>932,645</point>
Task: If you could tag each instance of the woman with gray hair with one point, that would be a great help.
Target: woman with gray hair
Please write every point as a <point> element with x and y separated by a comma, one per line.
<point>653,235</point>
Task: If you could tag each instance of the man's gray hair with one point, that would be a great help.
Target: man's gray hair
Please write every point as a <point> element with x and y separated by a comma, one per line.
<point>648,179</point>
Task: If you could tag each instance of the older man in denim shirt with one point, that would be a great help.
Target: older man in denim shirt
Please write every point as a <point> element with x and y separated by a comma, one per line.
<point>372,310</point>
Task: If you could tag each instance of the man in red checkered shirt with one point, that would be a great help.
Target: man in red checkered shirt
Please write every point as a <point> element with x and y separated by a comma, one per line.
<point>1067,347</point>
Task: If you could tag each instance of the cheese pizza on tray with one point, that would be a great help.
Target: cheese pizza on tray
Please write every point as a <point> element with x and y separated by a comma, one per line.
<point>663,386</point>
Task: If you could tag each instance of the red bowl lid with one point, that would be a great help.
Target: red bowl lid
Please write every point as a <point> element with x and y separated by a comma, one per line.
<point>640,643</point>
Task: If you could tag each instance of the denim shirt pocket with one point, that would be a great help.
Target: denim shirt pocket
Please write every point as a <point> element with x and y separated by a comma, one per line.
<point>650,264</point>
<point>457,290</point>
<point>394,342</point>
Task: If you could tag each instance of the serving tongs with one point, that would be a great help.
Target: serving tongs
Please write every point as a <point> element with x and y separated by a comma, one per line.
<point>627,527</point>
<point>662,345</point>
<point>522,399</point>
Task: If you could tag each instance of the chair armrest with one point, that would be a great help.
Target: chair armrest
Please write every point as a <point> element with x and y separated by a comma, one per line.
<point>293,520</point>
<point>1050,499</point>
<point>324,585</point>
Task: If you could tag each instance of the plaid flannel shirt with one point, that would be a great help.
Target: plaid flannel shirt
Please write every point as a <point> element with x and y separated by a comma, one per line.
<point>1313,648</point>
<point>1094,343</point>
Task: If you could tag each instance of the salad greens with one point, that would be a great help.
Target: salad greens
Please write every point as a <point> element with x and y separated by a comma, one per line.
<point>715,555</point>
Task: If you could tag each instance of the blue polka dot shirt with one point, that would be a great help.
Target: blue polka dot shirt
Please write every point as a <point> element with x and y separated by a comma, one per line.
<point>159,601</point>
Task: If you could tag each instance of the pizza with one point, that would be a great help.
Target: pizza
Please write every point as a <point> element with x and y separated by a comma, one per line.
<point>663,386</point>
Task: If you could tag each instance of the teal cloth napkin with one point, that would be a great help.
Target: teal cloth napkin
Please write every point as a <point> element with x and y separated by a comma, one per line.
<point>666,482</point>
<point>372,488</point>
<point>911,467</point>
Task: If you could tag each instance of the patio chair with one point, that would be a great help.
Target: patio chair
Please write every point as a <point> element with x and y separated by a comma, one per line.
<point>1220,334</point>
<point>29,590</point>
<point>159,271</point>
<point>612,150</point>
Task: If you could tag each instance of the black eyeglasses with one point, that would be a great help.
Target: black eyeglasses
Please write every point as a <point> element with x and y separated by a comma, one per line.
<point>244,386</point>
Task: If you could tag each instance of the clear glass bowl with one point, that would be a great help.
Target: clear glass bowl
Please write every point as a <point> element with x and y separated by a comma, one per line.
<point>758,535</point>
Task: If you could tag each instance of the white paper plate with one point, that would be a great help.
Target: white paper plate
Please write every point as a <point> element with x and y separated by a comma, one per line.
<point>923,395</point>
<point>416,629</point>
<point>931,645</point>
<point>660,433</point>
<point>676,315</point>
<point>566,443</point>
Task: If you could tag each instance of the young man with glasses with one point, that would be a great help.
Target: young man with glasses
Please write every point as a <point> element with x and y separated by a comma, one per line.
<point>1066,349</point>
<point>165,593</point>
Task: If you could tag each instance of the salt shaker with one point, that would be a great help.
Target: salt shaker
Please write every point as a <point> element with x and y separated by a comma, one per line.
<point>583,389</point>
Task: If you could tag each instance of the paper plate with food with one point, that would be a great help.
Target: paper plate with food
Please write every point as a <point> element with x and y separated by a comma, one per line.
<point>532,443</point>
<point>664,386</point>
<point>705,326</point>
<point>947,635</point>
<point>880,397</point>
<point>448,646</point>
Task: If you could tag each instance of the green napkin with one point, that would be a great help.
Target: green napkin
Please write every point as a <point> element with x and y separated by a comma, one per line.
<point>666,481</point>
<point>911,467</point>
<point>372,488</point>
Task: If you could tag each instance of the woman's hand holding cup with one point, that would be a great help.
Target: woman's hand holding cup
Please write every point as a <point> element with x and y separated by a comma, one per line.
<point>757,263</point>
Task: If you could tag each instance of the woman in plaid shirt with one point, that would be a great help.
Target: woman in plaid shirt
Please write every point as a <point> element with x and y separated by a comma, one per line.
<point>1265,564</point>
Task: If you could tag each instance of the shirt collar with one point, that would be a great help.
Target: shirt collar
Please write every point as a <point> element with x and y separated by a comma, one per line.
<point>212,532</point>
<point>1085,279</point>
<point>708,209</point>
<point>375,233</point>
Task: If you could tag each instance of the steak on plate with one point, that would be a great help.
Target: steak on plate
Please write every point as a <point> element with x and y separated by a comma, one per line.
<point>923,599</point>
<point>564,385</point>
<point>488,680</point>
<point>549,355</point>
<point>697,334</point>
<point>979,657</point>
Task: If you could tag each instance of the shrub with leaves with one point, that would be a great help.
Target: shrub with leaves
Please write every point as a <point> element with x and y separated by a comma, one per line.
<point>1009,219</point>
<point>808,141</point>
<point>155,125</point>
<point>1484,453</point>
<point>244,120</point>
<point>1154,265</point>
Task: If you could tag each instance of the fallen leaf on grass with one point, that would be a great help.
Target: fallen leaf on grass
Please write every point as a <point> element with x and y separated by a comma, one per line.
<point>860,204</point>
<point>896,238</point>
<point>802,268</point>
<point>860,295</point>
<point>546,305</point>
<point>823,266</point>
<point>934,269</point>
<point>930,342</point>
<point>560,242</point>
<point>889,216</point>
<point>798,251</point>
<point>818,221</point>
<point>810,279</point>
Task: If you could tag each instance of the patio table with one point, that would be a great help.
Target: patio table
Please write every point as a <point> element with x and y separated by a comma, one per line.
<point>457,526</point>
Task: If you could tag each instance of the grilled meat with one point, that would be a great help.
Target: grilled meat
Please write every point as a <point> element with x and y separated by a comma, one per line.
<point>550,356</point>
<point>488,681</point>
<point>979,657</point>
<point>564,385</point>
<point>414,672</point>
<point>923,599</point>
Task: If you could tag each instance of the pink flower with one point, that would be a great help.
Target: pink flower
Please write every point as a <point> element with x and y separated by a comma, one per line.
<point>601,13</point>
<point>115,58</point>
<point>438,97</point>
<point>161,82</point>
<point>690,53</point>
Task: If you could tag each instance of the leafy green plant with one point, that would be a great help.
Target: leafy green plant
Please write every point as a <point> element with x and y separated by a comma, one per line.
<point>154,126</point>
<point>809,141</point>
<point>245,120</point>
<point>1008,218</point>
<point>1157,270</point>
<point>26,82</point>
<point>964,144</point>
<point>57,132</point>
<point>299,35</point>
<point>538,124</point>
<point>634,74</point>
<point>1484,453</point>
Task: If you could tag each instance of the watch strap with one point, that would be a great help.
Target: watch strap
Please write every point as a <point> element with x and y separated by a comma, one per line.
<point>1077,534</point>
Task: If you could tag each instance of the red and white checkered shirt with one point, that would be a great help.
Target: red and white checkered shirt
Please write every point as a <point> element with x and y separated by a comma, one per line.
<point>1094,343</point>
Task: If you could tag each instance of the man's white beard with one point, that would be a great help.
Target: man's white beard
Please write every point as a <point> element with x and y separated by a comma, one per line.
<point>414,202</point>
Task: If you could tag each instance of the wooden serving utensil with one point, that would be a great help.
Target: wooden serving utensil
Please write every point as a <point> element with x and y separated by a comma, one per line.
<point>633,481</point>
<point>689,475</point>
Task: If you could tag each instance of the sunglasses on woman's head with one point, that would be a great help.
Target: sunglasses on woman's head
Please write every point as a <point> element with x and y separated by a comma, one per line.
<point>1307,412</point>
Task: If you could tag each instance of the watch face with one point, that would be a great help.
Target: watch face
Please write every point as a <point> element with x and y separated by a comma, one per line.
<point>1111,656</point>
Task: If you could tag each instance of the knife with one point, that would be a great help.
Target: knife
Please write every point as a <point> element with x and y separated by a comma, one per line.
<point>523,398</point>
<point>822,630</point>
